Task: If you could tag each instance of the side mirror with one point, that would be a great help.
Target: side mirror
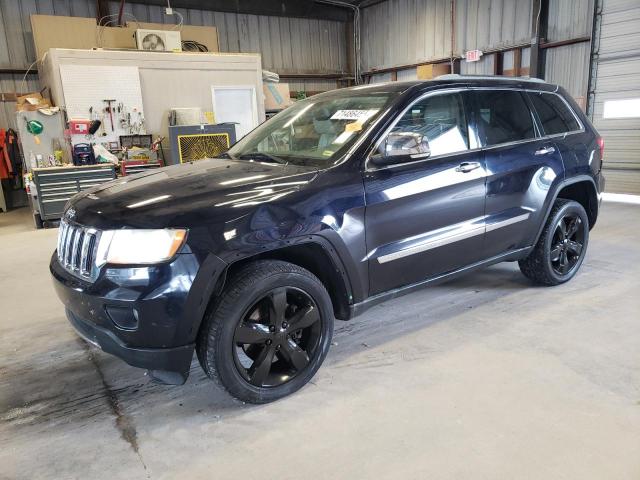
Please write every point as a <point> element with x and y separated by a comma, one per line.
<point>401,147</point>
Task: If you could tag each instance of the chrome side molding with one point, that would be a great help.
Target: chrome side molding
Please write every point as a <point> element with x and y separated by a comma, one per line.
<point>455,233</point>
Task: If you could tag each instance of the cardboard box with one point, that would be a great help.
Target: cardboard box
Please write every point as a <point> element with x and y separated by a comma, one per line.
<point>276,96</point>
<point>433,70</point>
<point>31,102</point>
<point>51,31</point>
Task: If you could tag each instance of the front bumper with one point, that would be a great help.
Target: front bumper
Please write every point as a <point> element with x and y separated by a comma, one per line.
<point>162,307</point>
<point>176,359</point>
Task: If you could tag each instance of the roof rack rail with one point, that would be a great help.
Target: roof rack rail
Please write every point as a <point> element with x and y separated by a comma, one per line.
<point>457,76</point>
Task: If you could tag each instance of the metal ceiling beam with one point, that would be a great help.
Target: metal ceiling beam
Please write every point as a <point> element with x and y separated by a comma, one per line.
<point>278,8</point>
<point>18,71</point>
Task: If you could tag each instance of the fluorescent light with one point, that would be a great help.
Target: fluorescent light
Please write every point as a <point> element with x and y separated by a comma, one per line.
<point>149,201</point>
<point>627,108</point>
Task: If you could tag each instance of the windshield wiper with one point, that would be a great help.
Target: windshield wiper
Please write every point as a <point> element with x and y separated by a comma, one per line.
<point>263,157</point>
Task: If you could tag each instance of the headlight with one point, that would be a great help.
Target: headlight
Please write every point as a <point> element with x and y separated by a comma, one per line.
<point>126,247</point>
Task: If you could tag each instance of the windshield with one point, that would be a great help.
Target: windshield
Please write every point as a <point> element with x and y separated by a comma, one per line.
<point>316,131</point>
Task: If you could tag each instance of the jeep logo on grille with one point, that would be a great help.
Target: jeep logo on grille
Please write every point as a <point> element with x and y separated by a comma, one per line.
<point>70,214</point>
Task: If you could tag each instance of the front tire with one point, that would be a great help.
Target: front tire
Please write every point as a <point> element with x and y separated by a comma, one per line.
<point>561,248</point>
<point>268,333</point>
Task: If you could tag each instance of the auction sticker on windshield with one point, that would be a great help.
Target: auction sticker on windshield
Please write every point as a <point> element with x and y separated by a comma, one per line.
<point>361,115</point>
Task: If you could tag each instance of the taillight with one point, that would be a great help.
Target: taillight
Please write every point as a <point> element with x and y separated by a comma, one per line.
<point>601,146</point>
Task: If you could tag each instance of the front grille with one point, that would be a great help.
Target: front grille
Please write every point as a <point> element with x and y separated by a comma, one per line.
<point>76,249</point>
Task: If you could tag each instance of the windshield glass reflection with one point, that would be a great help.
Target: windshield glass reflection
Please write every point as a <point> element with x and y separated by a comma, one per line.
<point>316,131</point>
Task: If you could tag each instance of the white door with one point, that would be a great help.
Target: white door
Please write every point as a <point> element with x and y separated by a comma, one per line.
<point>237,105</point>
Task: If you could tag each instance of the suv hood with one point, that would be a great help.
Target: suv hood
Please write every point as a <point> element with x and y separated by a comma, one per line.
<point>186,195</point>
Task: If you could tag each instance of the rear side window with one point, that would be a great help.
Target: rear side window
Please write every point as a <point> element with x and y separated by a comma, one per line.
<point>554,114</point>
<point>503,116</point>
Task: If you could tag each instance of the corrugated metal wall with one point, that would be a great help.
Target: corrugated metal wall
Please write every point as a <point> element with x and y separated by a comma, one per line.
<point>401,32</point>
<point>569,65</point>
<point>14,83</point>
<point>484,66</point>
<point>569,19</point>
<point>287,45</point>
<point>489,24</point>
<point>618,78</point>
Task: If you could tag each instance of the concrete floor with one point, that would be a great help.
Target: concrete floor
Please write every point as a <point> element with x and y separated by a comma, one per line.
<point>487,377</point>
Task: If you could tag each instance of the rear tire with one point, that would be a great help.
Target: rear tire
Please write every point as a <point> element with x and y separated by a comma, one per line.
<point>561,248</point>
<point>268,332</point>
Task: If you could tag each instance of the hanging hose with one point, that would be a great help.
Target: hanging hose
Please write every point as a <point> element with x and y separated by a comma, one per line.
<point>120,13</point>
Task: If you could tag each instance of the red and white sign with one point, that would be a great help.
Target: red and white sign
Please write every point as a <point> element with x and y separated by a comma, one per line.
<point>79,127</point>
<point>473,55</point>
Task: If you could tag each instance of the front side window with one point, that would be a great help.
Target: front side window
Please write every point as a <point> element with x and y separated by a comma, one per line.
<point>316,131</point>
<point>438,119</point>
<point>503,116</point>
<point>555,116</point>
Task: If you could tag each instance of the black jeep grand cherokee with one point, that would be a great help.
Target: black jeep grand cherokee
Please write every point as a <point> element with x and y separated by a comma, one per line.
<point>342,201</point>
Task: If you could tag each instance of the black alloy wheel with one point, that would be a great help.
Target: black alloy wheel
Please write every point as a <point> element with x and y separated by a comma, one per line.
<point>561,247</point>
<point>268,332</point>
<point>277,337</point>
<point>567,243</point>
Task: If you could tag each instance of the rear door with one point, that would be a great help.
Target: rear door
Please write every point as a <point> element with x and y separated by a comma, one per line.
<point>521,164</point>
<point>558,122</point>
<point>425,217</point>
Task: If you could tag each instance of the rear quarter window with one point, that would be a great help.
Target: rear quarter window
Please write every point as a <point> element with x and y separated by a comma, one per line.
<point>503,116</point>
<point>554,115</point>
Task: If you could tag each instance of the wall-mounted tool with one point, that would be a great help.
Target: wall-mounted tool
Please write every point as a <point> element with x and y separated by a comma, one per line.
<point>103,131</point>
<point>109,110</point>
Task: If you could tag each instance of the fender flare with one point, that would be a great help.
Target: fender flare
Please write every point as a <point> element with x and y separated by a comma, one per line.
<point>565,183</point>
<point>218,271</point>
<point>315,239</point>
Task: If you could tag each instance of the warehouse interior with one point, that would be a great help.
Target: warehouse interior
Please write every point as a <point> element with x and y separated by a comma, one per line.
<point>484,376</point>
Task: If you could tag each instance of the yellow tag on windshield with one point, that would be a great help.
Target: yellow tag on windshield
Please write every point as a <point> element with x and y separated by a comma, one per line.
<point>353,127</point>
<point>327,153</point>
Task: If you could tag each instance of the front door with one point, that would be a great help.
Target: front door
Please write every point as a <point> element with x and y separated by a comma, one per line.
<point>426,217</point>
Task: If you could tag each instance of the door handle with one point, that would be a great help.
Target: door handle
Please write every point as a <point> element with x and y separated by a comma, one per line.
<point>545,150</point>
<point>465,167</point>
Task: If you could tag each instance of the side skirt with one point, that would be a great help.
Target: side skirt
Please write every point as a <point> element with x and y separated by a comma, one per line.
<point>361,307</point>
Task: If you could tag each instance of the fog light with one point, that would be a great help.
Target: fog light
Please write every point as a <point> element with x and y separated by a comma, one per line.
<point>123,317</point>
